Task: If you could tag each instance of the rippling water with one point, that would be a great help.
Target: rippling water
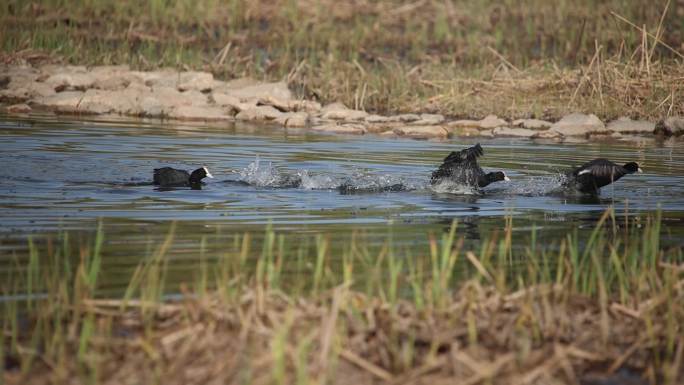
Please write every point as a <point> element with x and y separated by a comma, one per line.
<point>65,174</point>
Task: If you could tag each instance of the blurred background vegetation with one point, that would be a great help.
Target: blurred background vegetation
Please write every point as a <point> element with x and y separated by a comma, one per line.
<point>515,58</point>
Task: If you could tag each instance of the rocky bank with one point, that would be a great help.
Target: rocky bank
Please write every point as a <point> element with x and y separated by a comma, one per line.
<point>198,96</point>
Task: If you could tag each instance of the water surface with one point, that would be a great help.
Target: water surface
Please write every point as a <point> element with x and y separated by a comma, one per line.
<point>68,174</point>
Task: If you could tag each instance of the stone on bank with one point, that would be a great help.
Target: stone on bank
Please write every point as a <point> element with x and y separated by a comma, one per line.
<point>577,124</point>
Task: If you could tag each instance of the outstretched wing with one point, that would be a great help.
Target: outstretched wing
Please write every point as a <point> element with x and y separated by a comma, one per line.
<point>467,155</point>
<point>457,161</point>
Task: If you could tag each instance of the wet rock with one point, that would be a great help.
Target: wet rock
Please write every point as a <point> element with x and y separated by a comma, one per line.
<point>514,132</point>
<point>382,127</point>
<point>70,81</point>
<point>627,125</point>
<point>639,140</point>
<point>66,101</point>
<point>572,139</point>
<point>255,92</point>
<point>487,133</point>
<point>422,132</point>
<point>578,125</point>
<point>280,105</point>
<point>464,123</point>
<point>546,134</point>
<point>291,105</point>
<point>294,119</point>
<point>405,118</point>
<point>338,111</point>
<point>491,122</point>
<point>674,125</point>
<point>317,121</point>
<point>465,131</point>
<point>199,113</point>
<point>429,119</point>
<point>605,136</point>
<point>230,102</point>
<point>18,109</point>
<point>377,119</point>
<point>259,113</point>
<point>350,128</point>
<point>532,124</point>
<point>388,134</point>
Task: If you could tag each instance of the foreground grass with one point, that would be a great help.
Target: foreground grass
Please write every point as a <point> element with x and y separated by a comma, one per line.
<point>467,58</point>
<point>609,306</point>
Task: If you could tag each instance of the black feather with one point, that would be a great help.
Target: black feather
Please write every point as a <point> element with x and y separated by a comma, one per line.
<point>591,176</point>
<point>171,177</point>
<point>461,167</point>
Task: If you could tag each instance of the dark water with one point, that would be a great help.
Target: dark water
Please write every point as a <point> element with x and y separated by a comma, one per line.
<point>59,175</point>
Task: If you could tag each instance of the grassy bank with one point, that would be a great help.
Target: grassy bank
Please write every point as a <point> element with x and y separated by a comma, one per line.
<point>574,311</point>
<point>466,58</point>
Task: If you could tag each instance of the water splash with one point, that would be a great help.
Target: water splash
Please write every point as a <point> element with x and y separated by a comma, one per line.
<point>264,174</point>
<point>536,185</point>
<point>448,186</point>
<point>317,182</point>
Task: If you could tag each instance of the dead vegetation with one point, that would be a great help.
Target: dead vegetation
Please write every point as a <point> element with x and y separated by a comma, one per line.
<point>538,335</point>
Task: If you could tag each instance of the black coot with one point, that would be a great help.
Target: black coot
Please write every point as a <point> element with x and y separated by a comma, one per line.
<point>171,177</point>
<point>461,167</point>
<point>591,176</point>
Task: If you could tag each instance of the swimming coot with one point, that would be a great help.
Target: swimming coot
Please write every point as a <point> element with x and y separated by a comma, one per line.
<point>461,167</point>
<point>591,176</point>
<point>171,177</point>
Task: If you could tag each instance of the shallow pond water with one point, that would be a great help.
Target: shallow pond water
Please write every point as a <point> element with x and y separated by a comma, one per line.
<point>67,174</point>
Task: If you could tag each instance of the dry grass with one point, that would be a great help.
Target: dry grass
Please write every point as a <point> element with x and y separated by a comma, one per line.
<point>463,59</point>
<point>539,335</point>
<point>610,307</point>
